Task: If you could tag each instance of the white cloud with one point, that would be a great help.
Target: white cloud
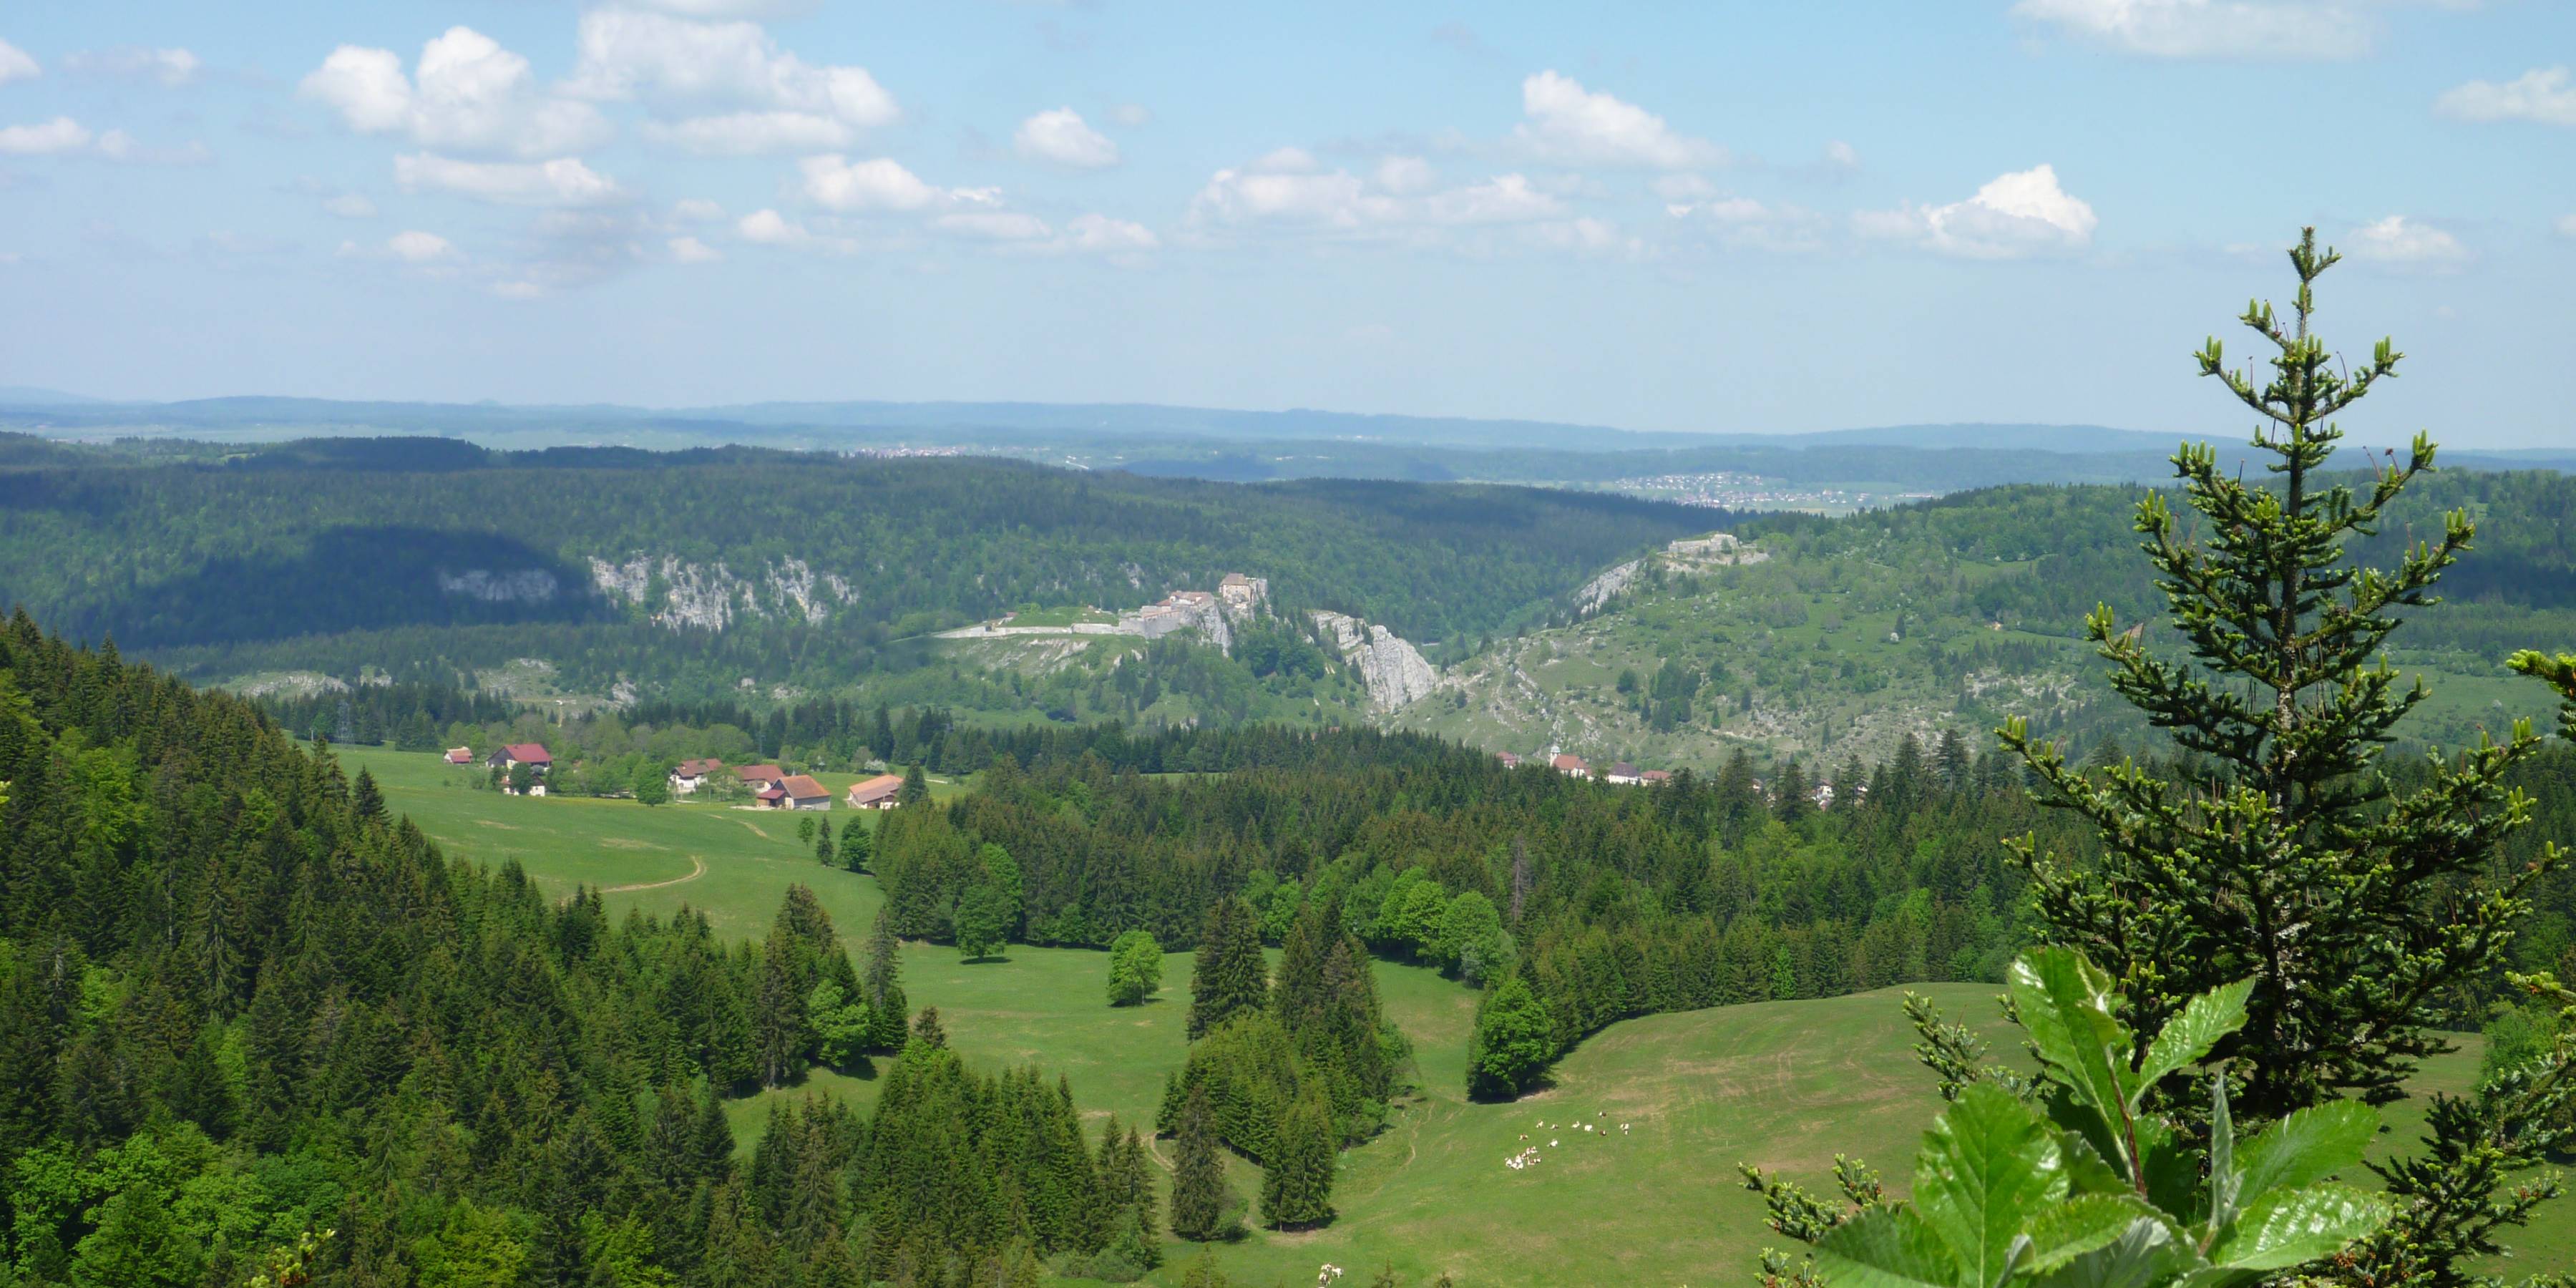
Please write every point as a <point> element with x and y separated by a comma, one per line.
<point>169,67</point>
<point>2567,225</point>
<point>769,228</point>
<point>780,102</point>
<point>1287,189</point>
<point>56,137</point>
<point>995,225</point>
<point>413,246</point>
<point>727,8</point>
<point>2401,243</point>
<point>1131,115</point>
<point>1104,235</point>
<point>1405,176</point>
<point>1744,223</point>
<point>697,210</point>
<point>351,205</point>
<point>2014,216</point>
<point>1570,125</point>
<point>1842,156</point>
<point>880,184</point>
<point>467,94</point>
<point>1059,136</point>
<point>564,181</point>
<point>2544,95</point>
<point>753,133</point>
<point>689,250</point>
<point>2213,28</point>
<point>117,145</point>
<point>16,64</point>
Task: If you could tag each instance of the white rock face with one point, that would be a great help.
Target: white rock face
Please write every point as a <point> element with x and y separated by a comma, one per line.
<point>526,585</point>
<point>710,597</point>
<point>1599,590</point>
<point>1395,672</point>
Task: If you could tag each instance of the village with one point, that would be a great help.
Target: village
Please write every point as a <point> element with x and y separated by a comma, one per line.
<point>1623,774</point>
<point>520,769</point>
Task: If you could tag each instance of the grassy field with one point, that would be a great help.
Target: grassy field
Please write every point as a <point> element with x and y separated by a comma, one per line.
<point>1784,1085</point>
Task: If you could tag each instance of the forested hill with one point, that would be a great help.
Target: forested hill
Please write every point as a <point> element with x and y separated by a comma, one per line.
<point>785,559</point>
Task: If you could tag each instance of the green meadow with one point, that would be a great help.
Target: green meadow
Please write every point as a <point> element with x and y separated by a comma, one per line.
<point>1784,1085</point>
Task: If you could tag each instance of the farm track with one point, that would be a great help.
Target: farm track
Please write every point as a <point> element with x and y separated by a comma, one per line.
<point>697,868</point>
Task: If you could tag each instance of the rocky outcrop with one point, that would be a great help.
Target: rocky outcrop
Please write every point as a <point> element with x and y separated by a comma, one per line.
<point>1600,590</point>
<point>1395,672</point>
<point>524,586</point>
<point>710,597</point>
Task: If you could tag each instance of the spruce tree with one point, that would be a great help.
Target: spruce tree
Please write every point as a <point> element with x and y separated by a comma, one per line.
<point>915,789</point>
<point>2279,850</point>
<point>1229,975</point>
<point>823,842</point>
<point>881,986</point>
<point>1199,1194</point>
<point>365,798</point>
<point>1297,1173</point>
<point>855,846</point>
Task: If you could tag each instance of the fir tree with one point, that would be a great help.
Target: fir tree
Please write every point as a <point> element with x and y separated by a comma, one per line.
<point>915,789</point>
<point>2281,851</point>
<point>823,842</point>
<point>881,986</point>
<point>365,798</point>
<point>1297,1173</point>
<point>1229,974</point>
<point>1200,1196</point>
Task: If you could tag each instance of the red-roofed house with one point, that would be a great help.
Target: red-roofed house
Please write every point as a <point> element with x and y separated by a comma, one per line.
<point>460,755</point>
<point>1571,766</point>
<point>512,755</point>
<point>759,776</point>
<point>1654,776</point>
<point>693,774</point>
<point>1623,774</point>
<point>1509,760</point>
<point>875,793</point>
<point>803,792</point>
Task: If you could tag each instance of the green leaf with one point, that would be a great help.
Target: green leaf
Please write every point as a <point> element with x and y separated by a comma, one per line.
<point>2171,1168</point>
<point>2086,1167</point>
<point>2080,1225</point>
<point>1987,1168</point>
<point>2226,1184</point>
<point>2066,1006</point>
<point>2189,1036</point>
<point>2293,1227</point>
<point>2149,1253</point>
<point>2306,1147</point>
<point>1887,1248</point>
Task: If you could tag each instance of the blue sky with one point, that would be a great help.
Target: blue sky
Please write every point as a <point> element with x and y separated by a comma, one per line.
<point>1713,216</point>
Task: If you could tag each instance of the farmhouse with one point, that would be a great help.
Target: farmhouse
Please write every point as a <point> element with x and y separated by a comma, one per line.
<point>460,755</point>
<point>1654,776</point>
<point>1624,774</point>
<point>1510,761</point>
<point>693,774</point>
<point>875,793</point>
<point>512,755</point>
<point>1570,765</point>
<point>795,791</point>
<point>756,777</point>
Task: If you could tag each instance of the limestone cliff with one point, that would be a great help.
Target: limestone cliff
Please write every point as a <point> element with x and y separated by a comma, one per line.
<point>1395,672</point>
<point>711,597</point>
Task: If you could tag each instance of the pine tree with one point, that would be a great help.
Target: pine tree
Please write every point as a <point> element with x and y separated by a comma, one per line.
<point>1200,1196</point>
<point>1229,974</point>
<point>2281,852</point>
<point>1297,1173</point>
<point>915,789</point>
<point>823,842</point>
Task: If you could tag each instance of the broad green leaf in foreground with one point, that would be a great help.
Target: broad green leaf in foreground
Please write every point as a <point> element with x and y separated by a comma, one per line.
<point>1888,1248</point>
<point>1987,1167</point>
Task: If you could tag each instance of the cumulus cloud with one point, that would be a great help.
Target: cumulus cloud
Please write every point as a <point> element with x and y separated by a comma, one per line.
<point>412,246</point>
<point>1569,125</point>
<point>564,181</point>
<point>2545,95</point>
<point>351,205</point>
<point>1683,187</point>
<point>57,137</point>
<point>697,210</point>
<point>880,184</point>
<point>16,64</point>
<point>689,250</point>
<point>2014,216</point>
<point>465,94</point>
<point>2401,243</point>
<point>169,67</point>
<point>688,69</point>
<point>1405,176</point>
<point>1288,191</point>
<point>1060,136</point>
<point>2567,225</point>
<point>117,145</point>
<point>994,225</point>
<point>1131,115</point>
<point>1101,234</point>
<point>2252,29</point>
